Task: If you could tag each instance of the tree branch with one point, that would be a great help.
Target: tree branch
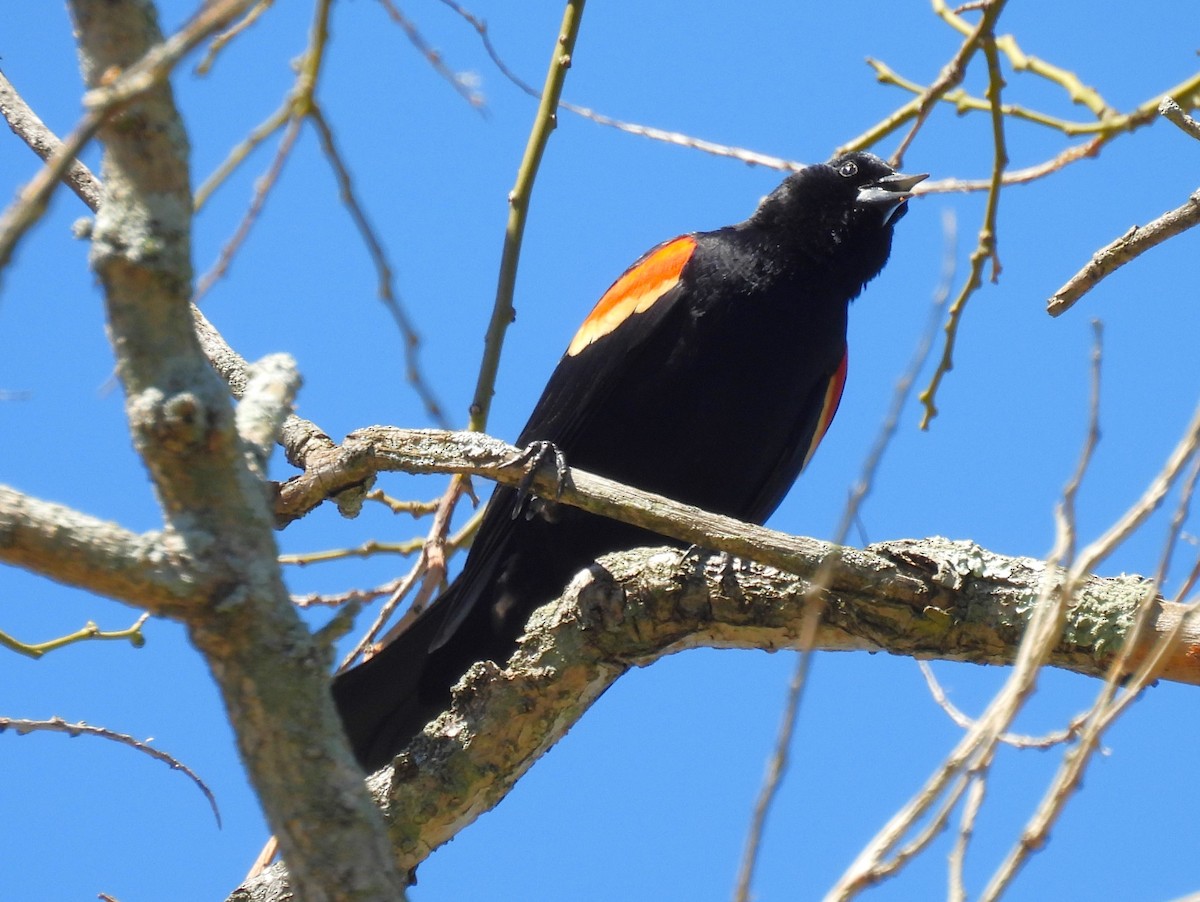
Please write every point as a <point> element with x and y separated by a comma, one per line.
<point>62,544</point>
<point>271,673</point>
<point>1128,247</point>
<point>933,598</point>
<point>28,126</point>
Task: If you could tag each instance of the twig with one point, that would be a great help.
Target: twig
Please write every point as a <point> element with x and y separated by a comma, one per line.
<point>1064,158</point>
<point>58,725</point>
<point>368,548</point>
<point>90,631</point>
<point>403,586</point>
<point>1091,441</point>
<point>430,569</point>
<point>952,73</point>
<point>1174,113</point>
<point>1128,247</point>
<point>418,509</point>
<point>262,189</point>
<point>679,139</point>
<point>461,83</point>
<point>518,208</point>
<point>976,791</point>
<point>27,126</point>
<point>974,753</point>
<point>385,285</point>
<point>353,596</point>
<point>985,249</point>
<point>100,104</point>
<point>1067,779</point>
<point>241,152</point>
<point>300,105</point>
<point>220,41</point>
<point>964,102</point>
<point>777,763</point>
<point>1016,740</point>
<point>773,779</point>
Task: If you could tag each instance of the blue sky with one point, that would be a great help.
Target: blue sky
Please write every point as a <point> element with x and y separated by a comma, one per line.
<point>649,796</point>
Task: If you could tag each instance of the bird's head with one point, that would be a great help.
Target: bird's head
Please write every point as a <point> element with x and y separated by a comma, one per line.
<point>842,211</point>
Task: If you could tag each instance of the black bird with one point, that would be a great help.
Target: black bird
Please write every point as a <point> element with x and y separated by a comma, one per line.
<point>708,373</point>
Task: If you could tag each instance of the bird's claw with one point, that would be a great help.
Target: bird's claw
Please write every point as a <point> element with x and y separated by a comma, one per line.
<point>532,457</point>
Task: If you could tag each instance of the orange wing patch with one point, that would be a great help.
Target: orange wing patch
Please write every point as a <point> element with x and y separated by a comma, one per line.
<point>636,291</point>
<point>833,397</point>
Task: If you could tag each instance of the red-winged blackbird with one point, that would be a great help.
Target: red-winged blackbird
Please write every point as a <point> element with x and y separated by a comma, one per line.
<point>708,373</point>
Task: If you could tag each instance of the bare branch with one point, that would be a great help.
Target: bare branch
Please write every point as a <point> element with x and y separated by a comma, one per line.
<point>57,725</point>
<point>933,598</point>
<point>269,670</point>
<point>1128,247</point>
<point>952,73</point>
<point>220,41</point>
<point>126,83</point>
<point>518,209</point>
<point>26,125</point>
<point>1174,113</point>
<point>463,84</point>
<point>386,280</point>
<point>150,571</point>
<point>90,631</point>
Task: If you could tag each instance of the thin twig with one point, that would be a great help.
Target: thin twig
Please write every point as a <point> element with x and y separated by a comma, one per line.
<point>974,753</point>
<point>27,126</point>
<point>219,42</point>
<point>90,631</point>
<point>262,188</point>
<point>1072,154</point>
<point>430,568</point>
<point>976,792</point>
<point>751,157</point>
<point>985,249</point>
<point>1125,249</point>
<point>99,105</point>
<point>418,509</point>
<point>777,763</point>
<point>369,548</point>
<point>1016,740</point>
<point>353,596</point>
<point>241,152</point>
<point>518,209</point>
<point>385,284</point>
<point>1091,442</point>
<point>952,73</point>
<point>1169,109</point>
<point>300,105</point>
<point>58,725</point>
<point>461,83</point>
<point>1070,773</point>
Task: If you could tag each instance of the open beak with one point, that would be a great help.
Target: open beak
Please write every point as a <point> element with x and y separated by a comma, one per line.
<point>888,194</point>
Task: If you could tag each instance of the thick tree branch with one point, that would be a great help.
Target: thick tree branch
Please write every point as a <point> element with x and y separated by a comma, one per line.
<point>150,570</point>
<point>271,673</point>
<point>933,598</point>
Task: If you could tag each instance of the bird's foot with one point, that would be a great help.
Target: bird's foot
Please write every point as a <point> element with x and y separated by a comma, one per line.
<point>532,458</point>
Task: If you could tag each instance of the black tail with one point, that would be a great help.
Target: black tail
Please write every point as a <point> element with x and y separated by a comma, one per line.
<point>389,699</point>
<point>381,701</point>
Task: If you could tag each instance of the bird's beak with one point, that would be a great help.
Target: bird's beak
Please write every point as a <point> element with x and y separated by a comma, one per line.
<point>888,194</point>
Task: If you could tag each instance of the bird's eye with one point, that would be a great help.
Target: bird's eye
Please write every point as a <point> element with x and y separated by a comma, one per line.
<point>849,169</point>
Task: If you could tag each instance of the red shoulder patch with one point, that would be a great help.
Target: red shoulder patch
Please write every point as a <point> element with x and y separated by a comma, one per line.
<point>636,291</point>
<point>829,406</point>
